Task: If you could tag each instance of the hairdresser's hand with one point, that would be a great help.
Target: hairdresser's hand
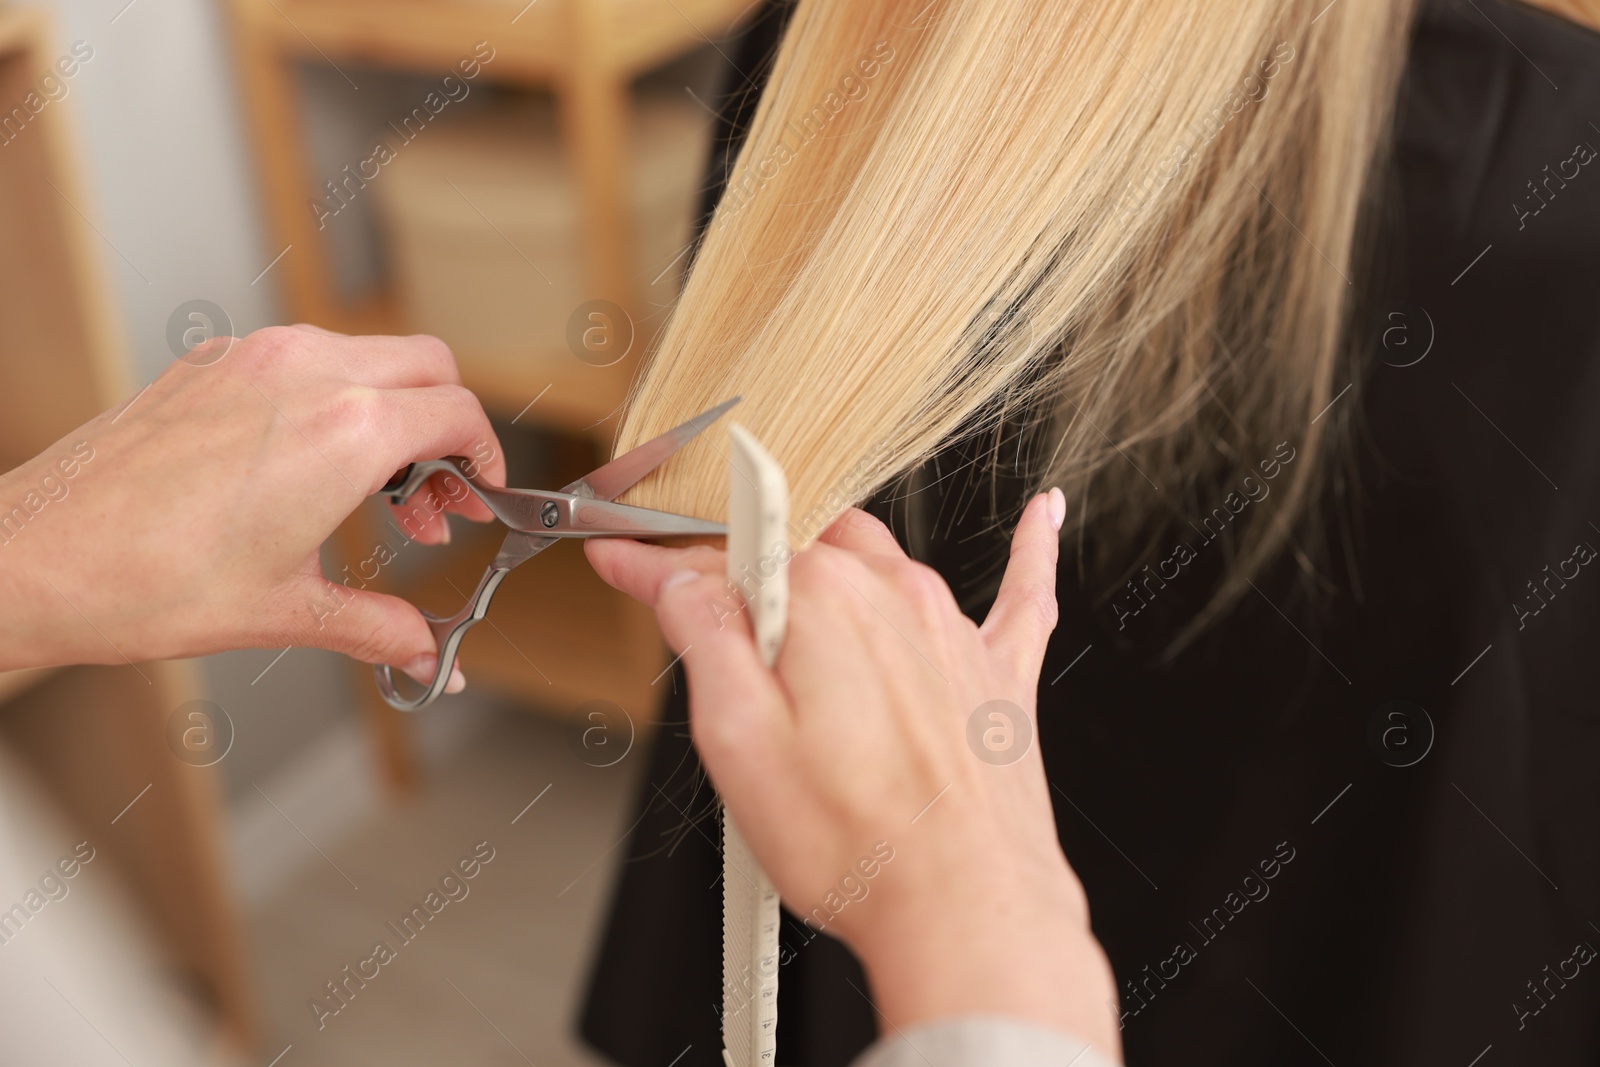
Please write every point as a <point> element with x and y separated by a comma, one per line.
<point>856,749</point>
<point>188,519</point>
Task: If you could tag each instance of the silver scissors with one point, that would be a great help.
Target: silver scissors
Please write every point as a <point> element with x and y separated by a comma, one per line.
<point>538,519</point>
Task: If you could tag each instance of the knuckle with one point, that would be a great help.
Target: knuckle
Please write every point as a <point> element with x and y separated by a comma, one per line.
<point>813,570</point>
<point>822,581</point>
<point>366,644</point>
<point>863,521</point>
<point>925,588</point>
<point>805,565</point>
<point>271,343</point>
<point>352,411</point>
<point>366,633</point>
<point>463,398</point>
<point>704,558</point>
<point>694,604</point>
<point>437,354</point>
<point>462,407</point>
<point>314,614</point>
<point>843,578</point>
<point>719,732</point>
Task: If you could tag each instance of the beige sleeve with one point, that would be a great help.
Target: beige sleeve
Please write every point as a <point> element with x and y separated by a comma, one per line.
<point>981,1041</point>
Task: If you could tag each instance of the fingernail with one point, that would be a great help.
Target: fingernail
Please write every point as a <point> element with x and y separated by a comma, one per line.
<point>677,578</point>
<point>457,682</point>
<point>444,538</point>
<point>1057,508</point>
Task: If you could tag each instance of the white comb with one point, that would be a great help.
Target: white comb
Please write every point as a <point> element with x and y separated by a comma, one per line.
<point>758,555</point>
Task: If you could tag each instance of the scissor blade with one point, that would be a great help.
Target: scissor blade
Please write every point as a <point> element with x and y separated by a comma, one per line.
<point>613,479</point>
<point>602,518</point>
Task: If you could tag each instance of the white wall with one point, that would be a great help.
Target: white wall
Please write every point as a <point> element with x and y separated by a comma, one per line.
<point>167,176</point>
<point>168,180</point>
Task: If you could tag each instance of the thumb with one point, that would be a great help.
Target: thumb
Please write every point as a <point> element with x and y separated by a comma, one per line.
<point>1024,613</point>
<point>373,628</point>
<point>738,714</point>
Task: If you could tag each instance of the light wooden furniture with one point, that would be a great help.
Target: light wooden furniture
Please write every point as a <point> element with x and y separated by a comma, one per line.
<point>97,735</point>
<point>1583,12</point>
<point>559,637</point>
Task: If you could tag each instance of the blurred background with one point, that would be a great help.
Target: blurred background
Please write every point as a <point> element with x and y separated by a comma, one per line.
<point>521,179</point>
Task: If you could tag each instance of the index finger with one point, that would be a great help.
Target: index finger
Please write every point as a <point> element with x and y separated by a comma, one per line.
<point>856,531</point>
<point>444,420</point>
<point>1019,625</point>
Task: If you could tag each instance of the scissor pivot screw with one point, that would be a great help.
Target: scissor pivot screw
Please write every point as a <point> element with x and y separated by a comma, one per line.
<point>550,514</point>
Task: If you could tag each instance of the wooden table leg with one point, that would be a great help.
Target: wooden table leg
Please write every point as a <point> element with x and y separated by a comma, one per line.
<point>594,109</point>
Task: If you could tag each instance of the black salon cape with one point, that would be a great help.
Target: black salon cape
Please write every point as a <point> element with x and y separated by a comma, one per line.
<point>1435,888</point>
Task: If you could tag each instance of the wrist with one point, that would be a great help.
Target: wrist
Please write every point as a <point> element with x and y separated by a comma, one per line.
<point>31,624</point>
<point>1019,948</point>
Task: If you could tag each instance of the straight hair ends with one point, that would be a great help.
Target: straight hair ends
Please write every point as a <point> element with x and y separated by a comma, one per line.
<point>1130,221</point>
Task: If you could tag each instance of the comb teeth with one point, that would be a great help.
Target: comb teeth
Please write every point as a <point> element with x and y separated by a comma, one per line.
<point>749,956</point>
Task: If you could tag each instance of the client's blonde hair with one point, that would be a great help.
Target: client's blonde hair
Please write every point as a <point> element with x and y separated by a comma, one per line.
<point>1134,219</point>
